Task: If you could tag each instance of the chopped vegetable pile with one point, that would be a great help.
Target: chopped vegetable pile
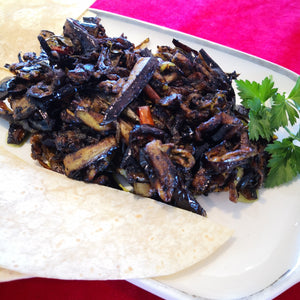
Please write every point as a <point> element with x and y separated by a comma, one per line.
<point>100,108</point>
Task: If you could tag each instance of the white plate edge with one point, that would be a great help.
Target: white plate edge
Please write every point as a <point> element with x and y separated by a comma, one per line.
<point>287,280</point>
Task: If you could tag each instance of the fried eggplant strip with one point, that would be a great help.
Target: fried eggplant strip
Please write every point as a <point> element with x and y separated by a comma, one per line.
<point>164,178</point>
<point>137,80</point>
<point>88,155</point>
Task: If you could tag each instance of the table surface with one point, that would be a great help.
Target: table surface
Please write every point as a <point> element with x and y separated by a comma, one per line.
<point>269,29</point>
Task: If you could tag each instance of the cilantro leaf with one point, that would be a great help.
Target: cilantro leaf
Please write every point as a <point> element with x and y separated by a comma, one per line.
<point>297,136</point>
<point>282,112</point>
<point>266,90</point>
<point>254,105</point>
<point>247,90</point>
<point>254,97</point>
<point>295,93</point>
<point>260,124</point>
<point>296,158</point>
<point>280,173</point>
<point>284,163</point>
<point>253,90</point>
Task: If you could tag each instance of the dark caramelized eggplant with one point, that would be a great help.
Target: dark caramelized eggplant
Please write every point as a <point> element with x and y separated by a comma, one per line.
<point>81,100</point>
<point>137,80</point>
<point>88,155</point>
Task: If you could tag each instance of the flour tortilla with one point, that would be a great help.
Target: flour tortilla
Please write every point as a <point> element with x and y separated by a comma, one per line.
<point>8,275</point>
<point>52,226</point>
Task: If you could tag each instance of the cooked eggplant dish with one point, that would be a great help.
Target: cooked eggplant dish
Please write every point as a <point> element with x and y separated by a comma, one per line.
<point>103,110</point>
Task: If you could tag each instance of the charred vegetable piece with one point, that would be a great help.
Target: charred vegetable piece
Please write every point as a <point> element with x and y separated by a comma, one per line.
<point>92,119</point>
<point>138,79</point>
<point>183,158</point>
<point>161,171</point>
<point>86,156</point>
<point>219,127</point>
<point>223,159</point>
<point>143,189</point>
<point>125,129</point>
<point>22,108</point>
<point>5,84</point>
<point>141,134</point>
<point>185,200</point>
<point>164,178</point>
<point>78,34</point>
<point>16,134</point>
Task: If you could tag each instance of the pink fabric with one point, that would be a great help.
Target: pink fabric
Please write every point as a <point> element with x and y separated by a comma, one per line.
<point>269,29</point>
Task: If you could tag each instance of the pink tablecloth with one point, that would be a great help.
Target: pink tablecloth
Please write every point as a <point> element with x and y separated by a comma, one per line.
<point>269,29</point>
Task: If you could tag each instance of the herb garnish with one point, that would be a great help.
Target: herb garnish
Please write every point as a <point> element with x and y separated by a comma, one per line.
<point>270,111</point>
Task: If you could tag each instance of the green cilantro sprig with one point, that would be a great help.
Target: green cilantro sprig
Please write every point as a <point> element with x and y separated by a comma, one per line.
<point>270,111</point>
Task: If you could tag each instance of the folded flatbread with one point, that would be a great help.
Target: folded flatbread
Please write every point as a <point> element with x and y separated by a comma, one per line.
<point>52,226</point>
<point>8,275</point>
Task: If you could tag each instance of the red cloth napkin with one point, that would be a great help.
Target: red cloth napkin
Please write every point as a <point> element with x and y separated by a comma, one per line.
<point>269,29</point>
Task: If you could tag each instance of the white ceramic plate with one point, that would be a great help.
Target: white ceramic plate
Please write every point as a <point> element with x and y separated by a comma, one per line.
<point>262,258</point>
